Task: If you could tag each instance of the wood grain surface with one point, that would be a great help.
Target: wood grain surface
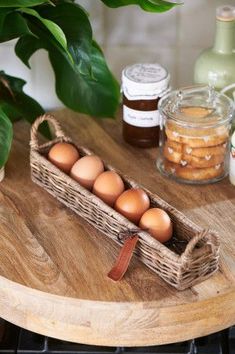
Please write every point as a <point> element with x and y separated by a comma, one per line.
<point>53,265</point>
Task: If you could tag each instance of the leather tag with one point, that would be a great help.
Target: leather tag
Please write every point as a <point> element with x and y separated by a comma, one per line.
<point>124,258</point>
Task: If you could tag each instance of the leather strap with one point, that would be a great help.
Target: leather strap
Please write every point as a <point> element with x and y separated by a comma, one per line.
<point>124,258</point>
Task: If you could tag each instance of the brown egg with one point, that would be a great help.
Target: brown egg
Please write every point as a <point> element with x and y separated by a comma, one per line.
<point>158,224</point>
<point>108,186</point>
<point>86,170</point>
<point>64,156</point>
<point>132,204</point>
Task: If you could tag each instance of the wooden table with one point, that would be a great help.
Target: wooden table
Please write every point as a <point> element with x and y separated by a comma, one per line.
<point>53,265</point>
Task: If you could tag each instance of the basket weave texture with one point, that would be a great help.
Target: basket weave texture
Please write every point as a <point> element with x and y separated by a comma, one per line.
<point>181,269</point>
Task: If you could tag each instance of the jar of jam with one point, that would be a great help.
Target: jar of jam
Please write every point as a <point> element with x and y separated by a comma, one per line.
<point>142,87</point>
<point>195,133</point>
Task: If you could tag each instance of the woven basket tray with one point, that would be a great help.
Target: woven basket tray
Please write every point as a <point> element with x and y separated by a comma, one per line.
<point>190,257</point>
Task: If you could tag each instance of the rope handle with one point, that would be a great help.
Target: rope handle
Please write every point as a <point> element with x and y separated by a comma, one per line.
<point>213,240</point>
<point>34,129</point>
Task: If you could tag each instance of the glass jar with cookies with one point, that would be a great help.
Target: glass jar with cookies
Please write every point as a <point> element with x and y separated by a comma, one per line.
<point>195,131</point>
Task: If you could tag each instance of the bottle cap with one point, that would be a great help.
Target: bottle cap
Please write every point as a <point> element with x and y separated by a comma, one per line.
<point>225,13</point>
<point>144,81</point>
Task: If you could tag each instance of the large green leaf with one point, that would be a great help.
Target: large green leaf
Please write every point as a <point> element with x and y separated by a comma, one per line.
<point>6,133</point>
<point>147,5</point>
<point>3,13</point>
<point>96,95</point>
<point>52,27</point>
<point>11,112</point>
<point>12,25</point>
<point>21,3</point>
<point>74,22</point>
<point>26,46</point>
<point>12,95</point>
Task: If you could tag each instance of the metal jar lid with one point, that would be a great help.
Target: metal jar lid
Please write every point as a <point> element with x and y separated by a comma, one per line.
<point>144,81</point>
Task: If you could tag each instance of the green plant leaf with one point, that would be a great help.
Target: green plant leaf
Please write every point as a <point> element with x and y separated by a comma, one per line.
<point>12,95</point>
<point>6,134</point>
<point>147,5</point>
<point>12,25</point>
<point>21,3</point>
<point>52,27</point>
<point>96,94</point>
<point>26,46</point>
<point>74,22</point>
<point>3,13</point>
<point>11,112</point>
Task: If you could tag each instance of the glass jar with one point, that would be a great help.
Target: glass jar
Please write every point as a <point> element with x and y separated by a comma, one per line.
<point>142,87</point>
<point>195,132</point>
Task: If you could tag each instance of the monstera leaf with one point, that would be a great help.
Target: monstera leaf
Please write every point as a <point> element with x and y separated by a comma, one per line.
<point>147,5</point>
<point>6,133</point>
<point>83,80</point>
<point>55,31</point>
<point>86,85</point>
<point>79,38</point>
<point>14,101</point>
<point>12,24</point>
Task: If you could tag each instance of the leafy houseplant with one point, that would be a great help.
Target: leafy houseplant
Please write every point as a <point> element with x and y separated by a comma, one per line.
<point>61,27</point>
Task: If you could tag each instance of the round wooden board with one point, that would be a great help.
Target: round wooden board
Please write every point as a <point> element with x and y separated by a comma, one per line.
<point>53,265</point>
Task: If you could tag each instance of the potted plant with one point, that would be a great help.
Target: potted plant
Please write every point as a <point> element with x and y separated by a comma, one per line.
<point>84,82</point>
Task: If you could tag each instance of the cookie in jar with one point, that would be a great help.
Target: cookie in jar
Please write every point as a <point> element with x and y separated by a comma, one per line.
<point>194,138</point>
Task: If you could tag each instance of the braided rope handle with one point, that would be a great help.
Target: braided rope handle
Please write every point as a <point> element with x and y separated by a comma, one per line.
<point>34,129</point>
<point>213,241</point>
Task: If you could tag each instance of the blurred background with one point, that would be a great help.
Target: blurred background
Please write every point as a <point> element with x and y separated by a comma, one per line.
<point>128,35</point>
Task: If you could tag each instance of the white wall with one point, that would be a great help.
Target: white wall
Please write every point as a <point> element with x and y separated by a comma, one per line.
<point>129,35</point>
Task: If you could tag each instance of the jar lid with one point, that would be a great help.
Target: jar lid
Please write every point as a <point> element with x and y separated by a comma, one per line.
<point>144,81</point>
<point>197,106</point>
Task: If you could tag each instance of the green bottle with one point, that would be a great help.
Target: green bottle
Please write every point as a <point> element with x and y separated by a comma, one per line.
<point>216,66</point>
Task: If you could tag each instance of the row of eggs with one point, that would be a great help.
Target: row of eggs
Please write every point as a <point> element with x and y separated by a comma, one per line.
<point>132,203</point>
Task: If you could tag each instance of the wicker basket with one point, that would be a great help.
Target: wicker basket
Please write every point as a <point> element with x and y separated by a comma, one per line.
<point>179,267</point>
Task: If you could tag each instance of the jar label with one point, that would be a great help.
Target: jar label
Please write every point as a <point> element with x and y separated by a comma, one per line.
<point>144,119</point>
